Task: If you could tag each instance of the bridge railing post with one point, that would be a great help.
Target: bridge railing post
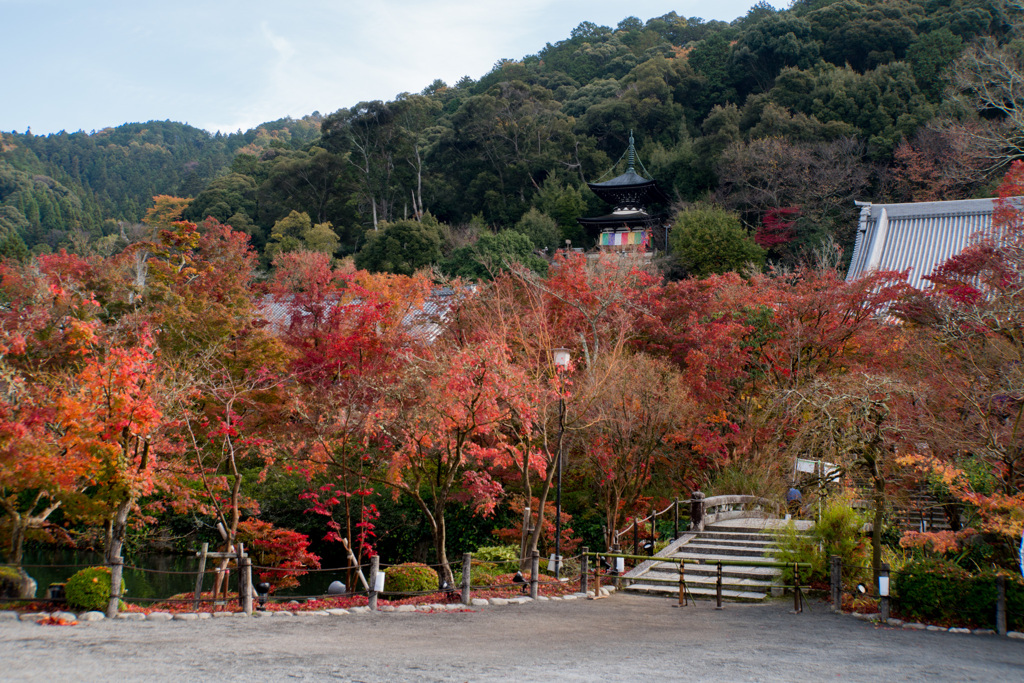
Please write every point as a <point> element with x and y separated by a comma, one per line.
<point>697,511</point>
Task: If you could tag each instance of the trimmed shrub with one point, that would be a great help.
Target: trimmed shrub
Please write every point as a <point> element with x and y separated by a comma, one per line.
<point>410,577</point>
<point>89,589</point>
<point>501,559</point>
<point>939,591</point>
<point>10,583</point>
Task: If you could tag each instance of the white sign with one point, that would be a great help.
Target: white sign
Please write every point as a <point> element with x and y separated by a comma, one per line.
<point>378,584</point>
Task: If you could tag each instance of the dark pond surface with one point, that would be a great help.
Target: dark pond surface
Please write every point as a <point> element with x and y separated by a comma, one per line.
<point>157,576</point>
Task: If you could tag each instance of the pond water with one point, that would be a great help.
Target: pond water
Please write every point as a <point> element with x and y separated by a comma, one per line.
<point>158,576</point>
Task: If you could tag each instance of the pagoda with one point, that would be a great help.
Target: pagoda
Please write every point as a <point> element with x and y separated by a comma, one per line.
<point>629,227</point>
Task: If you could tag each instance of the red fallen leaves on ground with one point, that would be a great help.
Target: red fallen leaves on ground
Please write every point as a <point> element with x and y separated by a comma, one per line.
<point>56,621</point>
<point>502,588</point>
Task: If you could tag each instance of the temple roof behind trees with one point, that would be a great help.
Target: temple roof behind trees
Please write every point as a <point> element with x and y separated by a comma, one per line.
<point>919,236</point>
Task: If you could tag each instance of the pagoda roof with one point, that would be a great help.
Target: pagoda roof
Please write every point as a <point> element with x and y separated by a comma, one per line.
<point>623,219</point>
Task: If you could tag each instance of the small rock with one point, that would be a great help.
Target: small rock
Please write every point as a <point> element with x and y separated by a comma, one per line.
<point>203,615</point>
<point>424,608</point>
<point>865,617</point>
<point>983,632</point>
<point>406,608</point>
<point>959,630</point>
<point>262,615</point>
<point>555,597</point>
<point>453,606</point>
<point>610,589</point>
<point>930,627</point>
<point>33,616</point>
<point>387,608</point>
<point>132,616</point>
<point>588,594</point>
<point>337,612</point>
<point>571,596</point>
<point>218,615</point>
<point>66,616</point>
<point>898,623</point>
<point>542,598</point>
<point>8,615</point>
<point>1015,634</point>
<point>92,616</point>
<point>499,602</point>
<point>186,616</point>
<point>480,602</point>
<point>159,616</point>
<point>607,590</point>
<point>359,610</point>
<point>915,626</point>
<point>283,613</point>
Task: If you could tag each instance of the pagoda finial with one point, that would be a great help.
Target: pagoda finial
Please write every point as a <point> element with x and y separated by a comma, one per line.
<point>632,153</point>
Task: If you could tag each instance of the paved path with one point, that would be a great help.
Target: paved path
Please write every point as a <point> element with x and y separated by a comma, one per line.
<point>623,638</point>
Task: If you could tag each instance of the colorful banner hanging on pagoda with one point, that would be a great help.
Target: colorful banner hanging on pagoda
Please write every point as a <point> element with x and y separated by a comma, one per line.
<point>635,238</point>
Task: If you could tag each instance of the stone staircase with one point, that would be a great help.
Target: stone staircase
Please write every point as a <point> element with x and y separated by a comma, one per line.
<point>740,539</point>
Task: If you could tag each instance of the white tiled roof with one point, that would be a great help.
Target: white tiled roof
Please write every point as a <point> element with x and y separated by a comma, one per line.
<point>918,236</point>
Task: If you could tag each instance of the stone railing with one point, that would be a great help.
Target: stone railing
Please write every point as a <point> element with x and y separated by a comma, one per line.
<point>704,511</point>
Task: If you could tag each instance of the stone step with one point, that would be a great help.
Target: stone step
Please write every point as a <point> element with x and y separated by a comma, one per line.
<point>726,549</point>
<point>757,581</point>
<point>666,570</point>
<point>758,537</point>
<point>727,594</point>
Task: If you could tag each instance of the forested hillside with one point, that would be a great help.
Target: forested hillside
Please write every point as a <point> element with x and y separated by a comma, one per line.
<point>791,114</point>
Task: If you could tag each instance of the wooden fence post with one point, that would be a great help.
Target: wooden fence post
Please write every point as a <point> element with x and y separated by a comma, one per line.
<point>534,571</point>
<point>883,590</point>
<point>797,603</point>
<point>837,583</point>
<point>372,595</point>
<point>718,588</point>
<point>245,577</point>
<point>584,569</point>
<point>682,583</point>
<point>1001,605</point>
<point>199,577</point>
<point>675,520</point>
<point>636,536</point>
<point>467,576</point>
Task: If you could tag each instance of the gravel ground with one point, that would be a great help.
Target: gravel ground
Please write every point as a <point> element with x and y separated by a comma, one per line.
<point>622,638</point>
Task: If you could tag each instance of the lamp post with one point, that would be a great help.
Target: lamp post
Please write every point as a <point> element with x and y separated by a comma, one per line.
<point>561,358</point>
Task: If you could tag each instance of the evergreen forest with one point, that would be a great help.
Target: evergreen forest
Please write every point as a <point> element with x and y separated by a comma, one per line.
<point>781,118</point>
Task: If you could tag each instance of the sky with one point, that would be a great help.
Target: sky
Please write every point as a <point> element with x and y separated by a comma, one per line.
<point>232,64</point>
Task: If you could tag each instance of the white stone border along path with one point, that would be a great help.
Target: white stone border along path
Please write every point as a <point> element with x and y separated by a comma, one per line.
<point>85,617</point>
<point>916,626</point>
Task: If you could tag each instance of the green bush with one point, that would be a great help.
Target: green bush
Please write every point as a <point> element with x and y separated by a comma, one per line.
<point>838,532</point>
<point>505,558</point>
<point>479,576</point>
<point>938,590</point>
<point>89,589</point>
<point>409,578</point>
<point>10,583</point>
<point>795,546</point>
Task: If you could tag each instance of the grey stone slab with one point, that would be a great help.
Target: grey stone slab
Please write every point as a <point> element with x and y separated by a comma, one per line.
<point>480,602</point>
<point>92,616</point>
<point>359,610</point>
<point>499,602</point>
<point>186,616</point>
<point>337,612</point>
<point>915,626</point>
<point>132,616</point>
<point>983,632</point>
<point>959,630</point>
<point>898,623</point>
<point>1014,634</point>
<point>159,616</point>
